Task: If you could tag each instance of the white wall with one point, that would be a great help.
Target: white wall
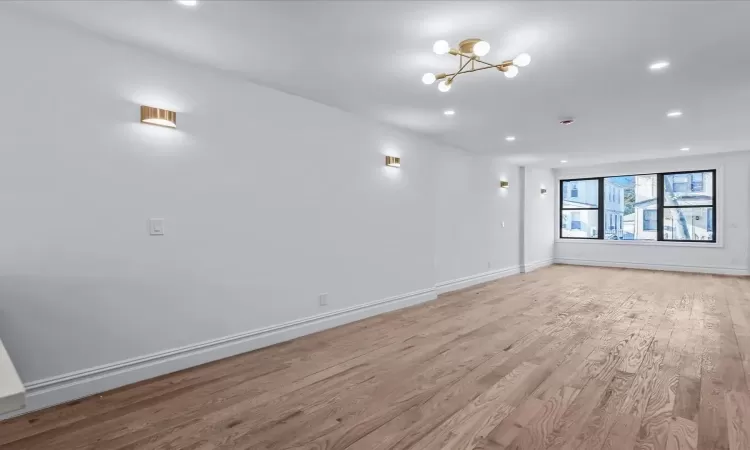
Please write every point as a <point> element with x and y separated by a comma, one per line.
<point>729,255</point>
<point>538,218</point>
<point>269,199</point>
<point>471,209</point>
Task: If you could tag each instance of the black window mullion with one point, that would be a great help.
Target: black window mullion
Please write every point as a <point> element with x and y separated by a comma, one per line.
<point>600,225</point>
<point>714,231</point>
<point>560,193</point>
<point>659,206</point>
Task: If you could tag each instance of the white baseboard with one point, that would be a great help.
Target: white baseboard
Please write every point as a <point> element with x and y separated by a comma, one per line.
<point>461,283</point>
<point>537,265</point>
<point>652,266</point>
<point>74,385</point>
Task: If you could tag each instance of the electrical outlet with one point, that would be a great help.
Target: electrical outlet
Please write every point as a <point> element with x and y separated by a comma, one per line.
<point>503,223</point>
<point>323,299</point>
<point>489,264</point>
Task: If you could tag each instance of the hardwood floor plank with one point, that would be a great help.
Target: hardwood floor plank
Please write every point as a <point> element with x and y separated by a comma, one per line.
<point>469,425</point>
<point>687,397</point>
<point>682,435</point>
<point>738,419</point>
<point>656,419</point>
<point>537,433</point>
<point>623,434</point>
<point>573,419</point>
<point>712,415</point>
<point>739,306</point>
<point>504,433</point>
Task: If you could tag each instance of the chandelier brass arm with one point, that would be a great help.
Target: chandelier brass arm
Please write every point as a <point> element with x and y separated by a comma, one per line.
<point>502,67</point>
<point>450,80</point>
<point>472,50</point>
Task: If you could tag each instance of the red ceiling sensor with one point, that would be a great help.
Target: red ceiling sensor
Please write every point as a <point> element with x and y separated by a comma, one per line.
<point>567,121</point>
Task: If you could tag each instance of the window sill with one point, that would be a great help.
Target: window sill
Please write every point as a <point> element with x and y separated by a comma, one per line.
<point>649,243</point>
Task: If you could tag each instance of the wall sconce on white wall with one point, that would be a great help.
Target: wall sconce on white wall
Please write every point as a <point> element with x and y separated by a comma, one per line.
<point>393,161</point>
<point>544,191</point>
<point>504,184</point>
<point>160,117</point>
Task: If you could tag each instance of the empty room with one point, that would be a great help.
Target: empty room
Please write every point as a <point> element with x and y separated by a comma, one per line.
<point>375,225</point>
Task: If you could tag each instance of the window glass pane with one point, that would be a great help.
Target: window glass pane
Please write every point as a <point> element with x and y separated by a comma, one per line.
<point>631,197</point>
<point>580,194</point>
<point>580,224</point>
<point>688,224</point>
<point>688,189</point>
<point>649,220</point>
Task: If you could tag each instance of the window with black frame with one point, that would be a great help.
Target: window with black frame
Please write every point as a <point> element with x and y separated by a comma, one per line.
<point>675,206</point>
<point>579,209</point>
<point>688,206</point>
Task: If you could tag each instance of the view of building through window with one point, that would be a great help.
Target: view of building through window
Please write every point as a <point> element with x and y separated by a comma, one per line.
<point>688,206</point>
<point>580,216</point>
<point>633,210</point>
<point>630,208</point>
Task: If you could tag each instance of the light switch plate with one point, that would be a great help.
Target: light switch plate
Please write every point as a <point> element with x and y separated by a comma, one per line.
<point>156,227</point>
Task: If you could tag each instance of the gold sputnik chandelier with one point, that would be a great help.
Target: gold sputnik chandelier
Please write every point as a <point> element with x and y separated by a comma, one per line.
<point>469,52</point>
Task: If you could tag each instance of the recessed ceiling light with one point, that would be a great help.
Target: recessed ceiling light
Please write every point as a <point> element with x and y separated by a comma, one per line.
<point>674,113</point>
<point>510,138</point>
<point>449,112</point>
<point>659,65</point>
<point>563,161</point>
<point>685,149</point>
<point>187,2</point>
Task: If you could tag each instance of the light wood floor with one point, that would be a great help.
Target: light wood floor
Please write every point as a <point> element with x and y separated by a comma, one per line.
<point>562,358</point>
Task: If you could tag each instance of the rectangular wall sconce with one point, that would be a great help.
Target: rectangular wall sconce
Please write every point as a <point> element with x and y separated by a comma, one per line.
<point>393,161</point>
<point>504,184</point>
<point>544,191</point>
<point>156,116</point>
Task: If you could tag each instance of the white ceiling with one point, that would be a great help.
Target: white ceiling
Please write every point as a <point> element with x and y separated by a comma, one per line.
<point>589,61</point>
